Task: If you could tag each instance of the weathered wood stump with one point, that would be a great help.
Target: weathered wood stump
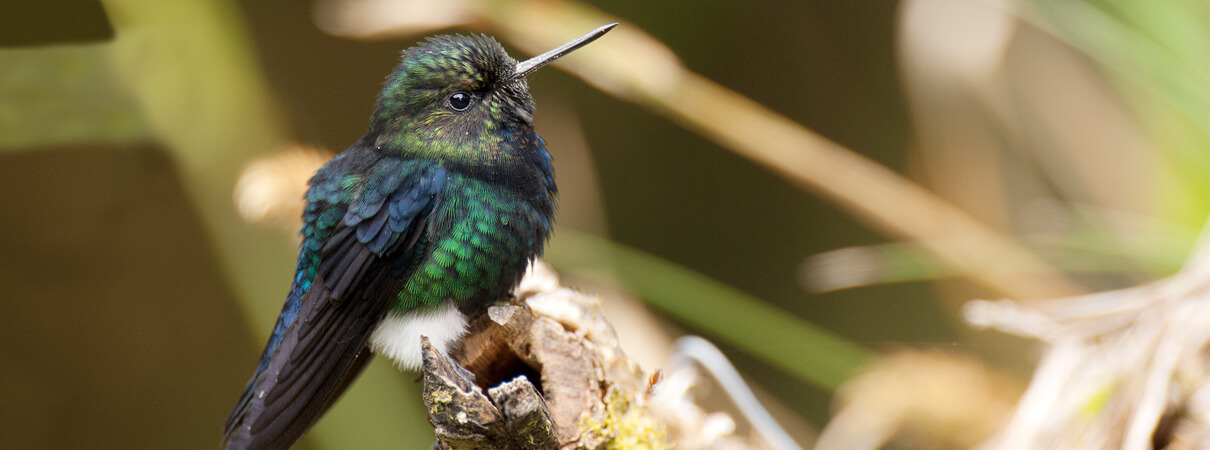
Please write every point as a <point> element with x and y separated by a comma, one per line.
<point>542,372</point>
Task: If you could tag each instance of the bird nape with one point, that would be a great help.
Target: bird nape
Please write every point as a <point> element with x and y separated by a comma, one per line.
<point>427,220</point>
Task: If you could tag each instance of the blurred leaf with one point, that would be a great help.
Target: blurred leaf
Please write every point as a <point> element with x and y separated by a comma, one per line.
<point>812,354</point>
<point>1150,246</point>
<point>57,95</point>
<point>1176,26</point>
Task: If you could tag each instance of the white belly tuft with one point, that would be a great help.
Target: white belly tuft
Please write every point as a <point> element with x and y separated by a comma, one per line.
<point>398,336</point>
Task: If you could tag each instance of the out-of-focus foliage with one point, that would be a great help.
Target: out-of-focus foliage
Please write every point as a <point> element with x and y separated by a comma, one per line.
<point>1158,54</point>
<point>1077,130</point>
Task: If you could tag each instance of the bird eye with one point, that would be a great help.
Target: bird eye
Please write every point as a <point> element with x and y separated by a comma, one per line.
<point>459,101</point>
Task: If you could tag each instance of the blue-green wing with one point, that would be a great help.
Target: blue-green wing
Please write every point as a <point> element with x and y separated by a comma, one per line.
<point>363,218</point>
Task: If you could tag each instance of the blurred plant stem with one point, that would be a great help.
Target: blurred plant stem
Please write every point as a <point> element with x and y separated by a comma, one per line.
<point>189,66</point>
<point>810,353</point>
<point>632,65</point>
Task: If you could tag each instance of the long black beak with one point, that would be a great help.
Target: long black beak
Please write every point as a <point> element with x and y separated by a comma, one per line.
<point>528,66</point>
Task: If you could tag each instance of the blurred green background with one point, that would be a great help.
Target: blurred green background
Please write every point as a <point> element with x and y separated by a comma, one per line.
<point>136,298</point>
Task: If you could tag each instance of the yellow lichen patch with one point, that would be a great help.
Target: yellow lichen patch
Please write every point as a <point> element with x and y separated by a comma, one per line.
<point>627,427</point>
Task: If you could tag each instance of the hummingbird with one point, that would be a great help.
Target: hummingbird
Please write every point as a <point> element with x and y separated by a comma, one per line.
<point>428,219</point>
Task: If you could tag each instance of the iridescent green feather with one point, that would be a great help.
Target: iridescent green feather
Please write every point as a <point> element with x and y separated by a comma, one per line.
<point>488,239</point>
